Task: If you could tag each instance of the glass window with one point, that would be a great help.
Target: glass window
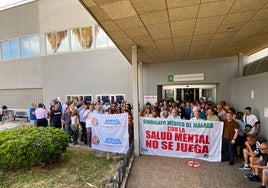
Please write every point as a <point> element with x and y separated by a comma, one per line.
<point>120,98</point>
<point>30,46</point>
<point>14,49</point>
<point>110,42</point>
<point>169,94</point>
<point>71,98</point>
<point>208,94</point>
<point>25,47</point>
<point>5,49</point>
<point>105,98</point>
<point>57,42</point>
<point>81,38</point>
<point>101,38</point>
<point>87,99</point>
<point>10,49</point>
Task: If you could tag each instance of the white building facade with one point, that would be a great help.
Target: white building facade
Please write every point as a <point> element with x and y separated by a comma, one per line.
<point>54,49</point>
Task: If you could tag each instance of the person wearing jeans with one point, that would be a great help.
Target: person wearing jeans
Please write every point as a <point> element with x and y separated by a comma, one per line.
<point>230,133</point>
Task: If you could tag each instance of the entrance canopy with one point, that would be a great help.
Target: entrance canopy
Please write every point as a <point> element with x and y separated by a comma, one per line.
<point>175,30</point>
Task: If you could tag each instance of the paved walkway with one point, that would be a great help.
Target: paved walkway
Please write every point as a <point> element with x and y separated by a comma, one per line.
<point>9,126</point>
<point>166,172</point>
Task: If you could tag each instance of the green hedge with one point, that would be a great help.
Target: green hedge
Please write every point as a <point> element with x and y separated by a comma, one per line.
<point>31,146</point>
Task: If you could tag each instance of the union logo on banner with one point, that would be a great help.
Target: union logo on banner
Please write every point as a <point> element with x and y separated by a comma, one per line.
<point>94,122</point>
<point>95,140</point>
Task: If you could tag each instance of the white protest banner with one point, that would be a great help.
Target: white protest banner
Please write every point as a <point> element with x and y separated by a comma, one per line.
<point>181,138</point>
<point>110,132</point>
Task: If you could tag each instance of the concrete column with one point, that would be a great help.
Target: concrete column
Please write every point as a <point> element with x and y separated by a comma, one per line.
<point>135,100</point>
<point>240,64</point>
<point>140,83</point>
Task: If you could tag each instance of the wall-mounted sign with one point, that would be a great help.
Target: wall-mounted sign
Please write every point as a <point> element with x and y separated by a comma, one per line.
<point>186,77</point>
<point>170,78</point>
<point>266,112</point>
<point>150,99</point>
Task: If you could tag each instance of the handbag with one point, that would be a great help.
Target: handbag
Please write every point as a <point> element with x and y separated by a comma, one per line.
<point>248,127</point>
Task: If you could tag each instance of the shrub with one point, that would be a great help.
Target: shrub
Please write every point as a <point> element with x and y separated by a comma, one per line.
<point>31,146</point>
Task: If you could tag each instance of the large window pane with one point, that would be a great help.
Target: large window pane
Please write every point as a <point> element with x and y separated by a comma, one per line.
<point>14,49</point>
<point>35,46</point>
<point>105,98</point>
<point>25,47</point>
<point>81,38</point>
<point>87,99</point>
<point>101,38</point>
<point>120,98</point>
<point>57,42</point>
<point>110,42</point>
<point>5,49</point>
<point>30,46</point>
<point>10,49</point>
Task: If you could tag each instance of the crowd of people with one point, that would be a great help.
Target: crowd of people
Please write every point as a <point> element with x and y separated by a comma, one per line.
<point>75,117</point>
<point>240,130</point>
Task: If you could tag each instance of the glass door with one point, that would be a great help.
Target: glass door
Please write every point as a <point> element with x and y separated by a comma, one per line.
<point>189,92</point>
<point>169,94</point>
<point>179,94</point>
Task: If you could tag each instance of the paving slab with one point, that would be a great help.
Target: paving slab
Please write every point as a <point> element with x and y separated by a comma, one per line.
<point>9,126</point>
<point>167,172</point>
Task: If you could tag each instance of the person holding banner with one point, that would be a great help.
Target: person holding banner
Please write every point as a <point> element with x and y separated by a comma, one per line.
<point>88,116</point>
<point>230,133</point>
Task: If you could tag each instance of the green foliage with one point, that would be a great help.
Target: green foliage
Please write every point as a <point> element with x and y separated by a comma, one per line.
<point>30,146</point>
<point>1,178</point>
<point>78,167</point>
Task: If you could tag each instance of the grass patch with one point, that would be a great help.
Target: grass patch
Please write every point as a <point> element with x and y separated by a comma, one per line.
<point>77,168</point>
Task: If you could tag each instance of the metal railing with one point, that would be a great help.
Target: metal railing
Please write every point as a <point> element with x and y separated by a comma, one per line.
<point>122,169</point>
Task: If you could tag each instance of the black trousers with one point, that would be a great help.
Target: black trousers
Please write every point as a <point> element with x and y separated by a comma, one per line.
<point>42,122</point>
<point>83,132</point>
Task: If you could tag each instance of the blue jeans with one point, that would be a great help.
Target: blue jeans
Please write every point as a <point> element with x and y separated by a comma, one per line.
<point>227,150</point>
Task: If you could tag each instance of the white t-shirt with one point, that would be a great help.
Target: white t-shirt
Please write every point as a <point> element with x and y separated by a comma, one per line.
<point>251,120</point>
<point>88,118</point>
